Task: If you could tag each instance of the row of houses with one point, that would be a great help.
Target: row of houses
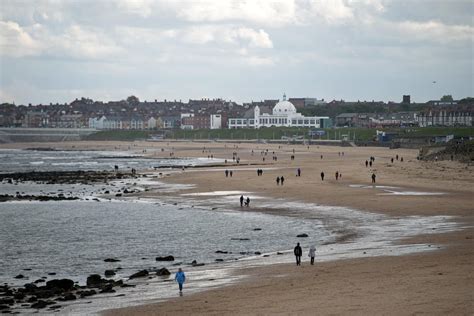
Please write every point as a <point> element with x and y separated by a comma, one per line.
<point>400,119</point>
<point>183,121</point>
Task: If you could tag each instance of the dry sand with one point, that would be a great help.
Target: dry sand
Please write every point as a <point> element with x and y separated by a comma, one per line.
<point>438,282</point>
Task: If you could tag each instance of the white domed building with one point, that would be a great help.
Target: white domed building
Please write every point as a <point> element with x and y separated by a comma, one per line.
<point>283,115</point>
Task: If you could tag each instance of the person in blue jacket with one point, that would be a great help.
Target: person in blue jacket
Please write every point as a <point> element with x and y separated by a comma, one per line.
<point>180,277</point>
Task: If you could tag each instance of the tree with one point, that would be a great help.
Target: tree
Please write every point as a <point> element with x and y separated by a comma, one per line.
<point>133,100</point>
<point>447,98</point>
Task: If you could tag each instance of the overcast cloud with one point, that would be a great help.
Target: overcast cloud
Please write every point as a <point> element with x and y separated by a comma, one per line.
<point>59,50</point>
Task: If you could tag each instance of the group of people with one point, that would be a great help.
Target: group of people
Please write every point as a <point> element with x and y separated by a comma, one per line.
<point>280,180</point>
<point>243,201</point>
<point>228,173</point>
<point>298,252</point>
<point>180,276</point>
<point>259,172</point>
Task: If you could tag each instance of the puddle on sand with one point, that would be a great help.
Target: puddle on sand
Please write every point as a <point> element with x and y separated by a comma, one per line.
<point>216,193</point>
<point>413,193</point>
<point>390,190</point>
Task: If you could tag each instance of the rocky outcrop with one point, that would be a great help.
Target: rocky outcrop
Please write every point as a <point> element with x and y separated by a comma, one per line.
<point>63,284</point>
<point>139,274</point>
<point>163,272</point>
<point>166,258</point>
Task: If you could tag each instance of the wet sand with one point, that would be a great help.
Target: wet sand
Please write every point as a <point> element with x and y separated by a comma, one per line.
<point>437,282</point>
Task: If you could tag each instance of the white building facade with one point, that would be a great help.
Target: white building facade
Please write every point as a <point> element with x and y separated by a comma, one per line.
<point>283,115</point>
<point>216,121</point>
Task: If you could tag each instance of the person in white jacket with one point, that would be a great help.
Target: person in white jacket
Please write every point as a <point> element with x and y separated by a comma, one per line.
<point>312,253</point>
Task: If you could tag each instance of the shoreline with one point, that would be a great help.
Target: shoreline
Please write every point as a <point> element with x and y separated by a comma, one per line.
<point>449,178</point>
<point>238,298</point>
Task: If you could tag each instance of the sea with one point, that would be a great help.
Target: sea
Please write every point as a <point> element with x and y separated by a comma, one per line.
<point>71,239</point>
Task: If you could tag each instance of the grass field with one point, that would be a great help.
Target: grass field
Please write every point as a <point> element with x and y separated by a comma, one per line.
<point>361,134</point>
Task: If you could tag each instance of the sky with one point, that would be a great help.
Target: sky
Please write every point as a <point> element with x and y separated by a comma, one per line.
<point>240,50</point>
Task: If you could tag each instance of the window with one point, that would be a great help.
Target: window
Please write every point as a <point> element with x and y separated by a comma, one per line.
<point>306,122</point>
<point>239,122</point>
<point>293,122</point>
<point>312,122</point>
<point>300,122</point>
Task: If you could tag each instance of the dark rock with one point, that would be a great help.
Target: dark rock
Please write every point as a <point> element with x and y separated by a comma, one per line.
<point>55,307</point>
<point>162,272</point>
<point>43,293</point>
<point>7,301</point>
<point>69,297</point>
<point>128,285</point>
<point>279,253</point>
<point>64,284</point>
<point>107,289</point>
<point>111,260</point>
<point>94,280</point>
<point>41,304</point>
<point>109,273</point>
<point>219,260</point>
<point>39,281</point>
<point>241,239</point>
<point>118,194</point>
<point>139,274</point>
<point>30,287</point>
<point>220,251</point>
<point>257,229</point>
<point>118,283</point>
<point>87,293</point>
<point>19,276</point>
<point>166,258</point>
<point>302,235</point>
<point>19,296</point>
<point>257,253</point>
<point>52,273</point>
<point>27,269</point>
<point>265,256</point>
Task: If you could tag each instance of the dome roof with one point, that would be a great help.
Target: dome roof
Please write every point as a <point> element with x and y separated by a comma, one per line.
<point>284,107</point>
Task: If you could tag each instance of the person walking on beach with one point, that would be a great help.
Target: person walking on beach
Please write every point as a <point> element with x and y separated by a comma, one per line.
<point>278,180</point>
<point>226,173</point>
<point>247,203</point>
<point>298,252</point>
<point>322,176</point>
<point>298,172</point>
<point>241,200</point>
<point>312,253</point>
<point>337,175</point>
<point>180,277</point>
<point>366,163</point>
<point>230,173</point>
<point>373,177</point>
<point>282,180</point>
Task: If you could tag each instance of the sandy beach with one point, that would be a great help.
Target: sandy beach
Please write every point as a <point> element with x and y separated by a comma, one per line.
<point>436,282</point>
